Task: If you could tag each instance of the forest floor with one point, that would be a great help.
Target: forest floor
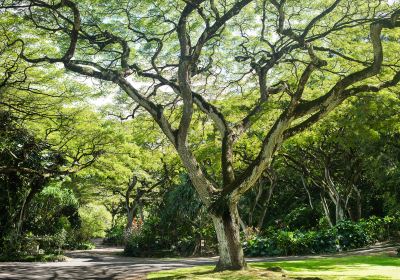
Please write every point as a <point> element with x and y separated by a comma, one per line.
<point>108,263</point>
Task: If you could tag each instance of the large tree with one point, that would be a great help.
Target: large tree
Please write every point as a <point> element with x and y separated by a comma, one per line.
<point>285,64</point>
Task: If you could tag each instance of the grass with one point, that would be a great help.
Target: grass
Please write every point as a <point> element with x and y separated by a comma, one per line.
<point>207,273</point>
<point>333,268</point>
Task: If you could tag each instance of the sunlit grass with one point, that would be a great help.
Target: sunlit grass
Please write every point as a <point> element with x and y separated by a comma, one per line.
<point>333,268</point>
<point>207,273</point>
<point>353,267</point>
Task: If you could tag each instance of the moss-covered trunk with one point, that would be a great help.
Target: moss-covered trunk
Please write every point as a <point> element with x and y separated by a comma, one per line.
<point>230,248</point>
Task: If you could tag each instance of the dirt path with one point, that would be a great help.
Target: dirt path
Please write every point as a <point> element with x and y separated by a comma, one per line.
<point>105,263</point>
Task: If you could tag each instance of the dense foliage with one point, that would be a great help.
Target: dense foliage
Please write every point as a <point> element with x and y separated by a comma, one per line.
<point>344,236</point>
<point>26,167</point>
<point>175,226</point>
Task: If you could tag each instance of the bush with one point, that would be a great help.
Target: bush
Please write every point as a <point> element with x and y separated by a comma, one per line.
<point>53,243</point>
<point>351,235</point>
<point>302,217</point>
<point>32,258</point>
<point>379,229</point>
<point>345,235</point>
<point>175,225</point>
<point>84,245</point>
<point>290,243</point>
<point>115,235</point>
<point>29,245</point>
<point>142,245</point>
<point>149,241</point>
<point>78,240</point>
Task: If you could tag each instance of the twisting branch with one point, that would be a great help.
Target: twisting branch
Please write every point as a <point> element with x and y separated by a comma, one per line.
<point>74,33</point>
<point>323,105</point>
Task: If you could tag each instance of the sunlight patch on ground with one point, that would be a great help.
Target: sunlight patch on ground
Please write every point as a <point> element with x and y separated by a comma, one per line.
<point>207,273</point>
<point>336,268</point>
<point>352,272</point>
<point>346,268</point>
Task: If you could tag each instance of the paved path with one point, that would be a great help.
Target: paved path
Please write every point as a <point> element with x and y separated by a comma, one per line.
<point>105,263</point>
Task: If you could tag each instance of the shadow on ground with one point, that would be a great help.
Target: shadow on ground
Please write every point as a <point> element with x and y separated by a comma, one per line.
<point>94,264</point>
<point>108,263</point>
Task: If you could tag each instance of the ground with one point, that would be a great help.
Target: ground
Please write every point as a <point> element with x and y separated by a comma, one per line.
<point>104,263</point>
<point>107,263</point>
<point>382,267</point>
<point>207,273</point>
<point>344,268</point>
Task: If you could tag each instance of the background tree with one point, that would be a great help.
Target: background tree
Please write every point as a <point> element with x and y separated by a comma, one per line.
<point>356,138</point>
<point>26,167</point>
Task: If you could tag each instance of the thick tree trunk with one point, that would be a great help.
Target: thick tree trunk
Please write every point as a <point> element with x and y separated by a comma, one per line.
<point>227,228</point>
<point>131,214</point>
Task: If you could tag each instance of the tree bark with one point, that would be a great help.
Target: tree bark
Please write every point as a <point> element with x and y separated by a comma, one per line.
<point>131,214</point>
<point>358,204</point>
<point>307,191</point>
<point>325,207</point>
<point>266,202</point>
<point>36,188</point>
<point>227,227</point>
<point>255,202</point>
<point>339,211</point>
<point>130,207</point>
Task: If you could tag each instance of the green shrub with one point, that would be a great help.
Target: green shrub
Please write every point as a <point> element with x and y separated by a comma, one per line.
<point>376,227</point>
<point>302,217</point>
<point>29,244</point>
<point>32,258</point>
<point>345,235</point>
<point>380,229</point>
<point>175,225</point>
<point>185,246</point>
<point>53,243</point>
<point>351,235</point>
<point>290,243</point>
<point>78,240</point>
<point>150,242</point>
<point>323,241</point>
<point>145,245</point>
<point>85,245</point>
<point>115,235</point>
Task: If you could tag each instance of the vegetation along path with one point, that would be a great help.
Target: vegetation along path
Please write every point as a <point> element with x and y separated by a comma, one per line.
<point>107,263</point>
